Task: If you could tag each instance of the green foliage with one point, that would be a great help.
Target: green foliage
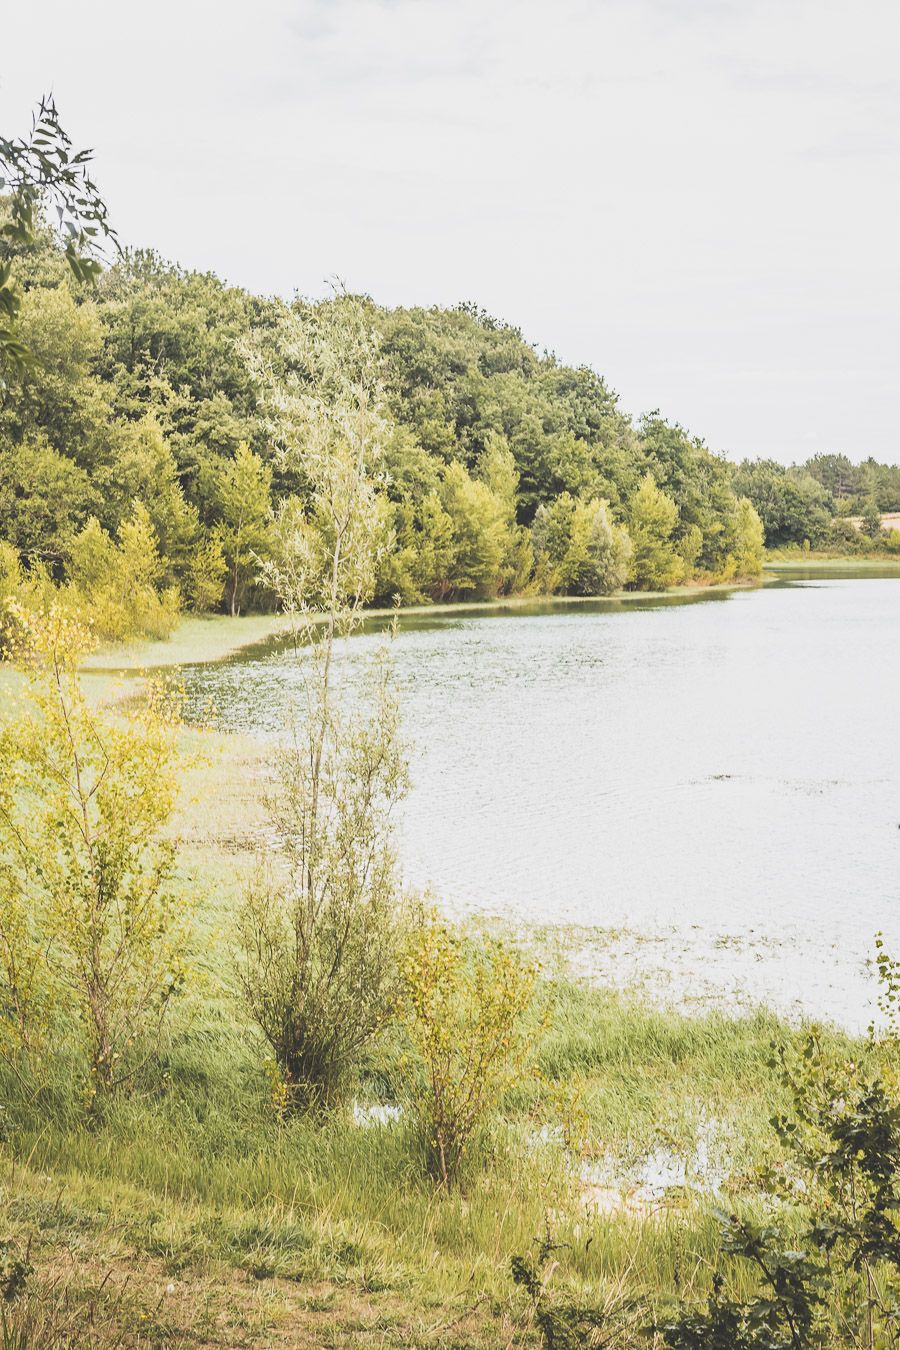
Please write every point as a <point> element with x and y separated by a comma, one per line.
<point>852,486</point>
<point>143,469</point>
<point>119,580</point>
<point>792,504</point>
<point>871,519</point>
<point>836,1281</point>
<point>44,499</point>
<point>91,933</point>
<point>10,575</point>
<point>206,576</point>
<point>458,377</point>
<point>480,539</point>
<point>697,482</point>
<point>15,1271</point>
<point>174,345</point>
<point>779,1318</point>
<point>465,1010</point>
<point>319,930</point>
<point>416,555</point>
<point>22,591</point>
<point>563,1322</point>
<point>244,505</point>
<point>889,995</point>
<point>35,171</point>
<point>745,541</point>
<point>319,935</point>
<point>501,470</point>
<point>60,399</point>
<point>655,561</point>
<point>578,549</point>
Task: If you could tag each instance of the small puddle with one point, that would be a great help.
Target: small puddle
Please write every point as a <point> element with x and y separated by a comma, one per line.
<point>381,1113</point>
<point>608,1184</point>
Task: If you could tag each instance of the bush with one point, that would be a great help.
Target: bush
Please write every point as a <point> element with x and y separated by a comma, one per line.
<point>837,1273</point>
<point>206,578</point>
<point>91,931</point>
<point>320,933</point>
<point>21,590</point>
<point>656,562</point>
<point>564,1323</point>
<point>465,1011</point>
<point>578,549</point>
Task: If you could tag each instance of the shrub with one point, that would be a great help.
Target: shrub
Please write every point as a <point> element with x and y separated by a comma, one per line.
<point>465,1010</point>
<point>21,590</point>
<point>117,582</point>
<point>563,1323</point>
<point>745,541</point>
<point>656,562</point>
<point>835,1278</point>
<point>92,933</point>
<point>319,932</point>
<point>578,549</point>
<point>206,578</point>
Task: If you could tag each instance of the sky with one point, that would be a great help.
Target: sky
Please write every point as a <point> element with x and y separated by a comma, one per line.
<point>698,198</point>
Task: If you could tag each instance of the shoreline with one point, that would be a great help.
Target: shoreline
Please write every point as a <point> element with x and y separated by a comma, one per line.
<point>838,561</point>
<point>215,637</point>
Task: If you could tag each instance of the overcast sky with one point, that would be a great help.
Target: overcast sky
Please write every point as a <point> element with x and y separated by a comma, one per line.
<point>699,198</point>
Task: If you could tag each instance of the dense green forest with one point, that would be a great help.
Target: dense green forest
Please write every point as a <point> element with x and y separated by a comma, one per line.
<point>139,467</point>
<point>138,457</point>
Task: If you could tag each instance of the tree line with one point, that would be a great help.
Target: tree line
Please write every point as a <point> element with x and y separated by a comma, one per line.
<point>141,415</point>
<point>808,504</point>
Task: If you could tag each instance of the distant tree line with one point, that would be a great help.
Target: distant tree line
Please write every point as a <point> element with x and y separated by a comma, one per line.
<point>808,504</point>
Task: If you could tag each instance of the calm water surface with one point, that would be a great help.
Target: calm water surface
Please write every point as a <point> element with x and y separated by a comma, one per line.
<point>708,790</point>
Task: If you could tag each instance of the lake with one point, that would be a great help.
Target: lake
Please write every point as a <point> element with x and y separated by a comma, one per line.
<point>704,791</point>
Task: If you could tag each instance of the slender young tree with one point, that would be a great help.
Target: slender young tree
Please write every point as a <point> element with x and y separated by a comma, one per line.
<point>319,934</point>
<point>243,494</point>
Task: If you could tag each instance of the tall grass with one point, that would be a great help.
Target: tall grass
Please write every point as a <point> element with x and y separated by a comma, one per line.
<point>195,1171</point>
<point>192,1179</point>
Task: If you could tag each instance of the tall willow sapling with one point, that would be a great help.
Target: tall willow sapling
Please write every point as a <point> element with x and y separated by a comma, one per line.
<point>319,930</point>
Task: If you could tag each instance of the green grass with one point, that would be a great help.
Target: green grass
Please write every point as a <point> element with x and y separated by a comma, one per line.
<point>189,1215</point>
<point>210,638</point>
<point>193,1179</point>
<point>782,560</point>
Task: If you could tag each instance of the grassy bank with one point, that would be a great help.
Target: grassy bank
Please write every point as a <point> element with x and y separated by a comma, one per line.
<point>231,1229</point>
<point>787,559</point>
<point>189,1215</point>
